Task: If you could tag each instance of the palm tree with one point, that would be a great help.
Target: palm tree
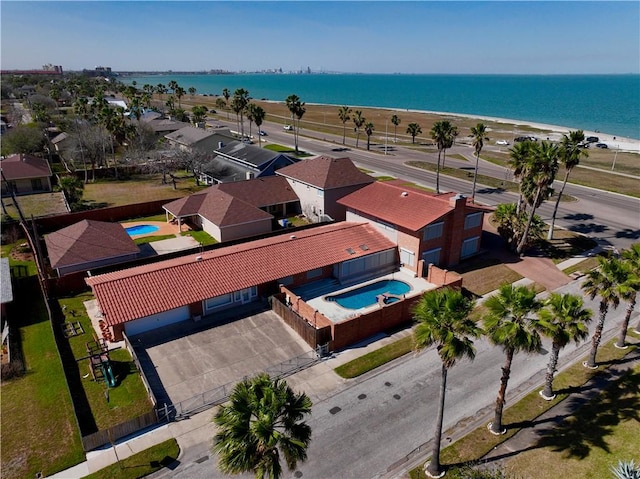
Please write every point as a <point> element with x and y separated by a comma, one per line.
<point>368,129</point>
<point>250,110</point>
<point>261,422</point>
<point>570,154</point>
<point>199,113</point>
<point>563,319</point>
<point>414,130</point>
<point>192,91</point>
<point>238,105</point>
<point>629,288</point>
<point>443,320</point>
<point>258,117</point>
<point>443,133</point>
<point>511,325</point>
<point>297,109</point>
<point>226,95</point>
<point>344,113</point>
<point>396,121</point>
<point>538,181</point>
<point>358,121</point>
<point>602,281</point>
<point>479,133</point>
<point>519,161</point>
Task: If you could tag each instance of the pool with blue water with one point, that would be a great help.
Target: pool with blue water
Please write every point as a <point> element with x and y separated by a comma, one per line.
<point>141,229</point>
<point>367,295</point>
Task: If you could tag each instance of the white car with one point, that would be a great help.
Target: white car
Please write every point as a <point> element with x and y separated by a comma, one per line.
<point>502,142</point>
<point>288,127</point>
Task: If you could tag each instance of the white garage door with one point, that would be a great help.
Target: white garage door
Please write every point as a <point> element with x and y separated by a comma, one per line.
<point>156,321</point>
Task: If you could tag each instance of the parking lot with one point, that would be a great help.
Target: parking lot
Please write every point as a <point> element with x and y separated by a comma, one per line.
<point>190,358</point>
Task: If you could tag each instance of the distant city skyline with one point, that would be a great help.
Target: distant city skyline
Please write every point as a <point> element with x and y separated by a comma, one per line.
<point>475,37</point>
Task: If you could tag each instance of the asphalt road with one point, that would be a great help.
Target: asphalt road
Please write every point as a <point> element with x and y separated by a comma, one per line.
<point>380,425</point>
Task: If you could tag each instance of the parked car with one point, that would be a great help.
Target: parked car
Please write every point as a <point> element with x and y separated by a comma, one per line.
<point>602,145</point>
<point>592,139</point>
<point>288,127</point>
<point>525,138</point>
<point>502,142</point>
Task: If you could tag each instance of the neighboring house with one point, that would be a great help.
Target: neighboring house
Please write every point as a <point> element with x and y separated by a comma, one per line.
<point>320,182</point>
<point>164,126</point>
<point>230,211</point>
<point>192,138</point>
<point>89,244</point>
<point>237,161</point>
<point>61,142</point>
<point>147,297</point>
<point>437,229</point>
<point>25,174</point>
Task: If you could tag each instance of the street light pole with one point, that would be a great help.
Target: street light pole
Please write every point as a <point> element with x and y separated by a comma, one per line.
<point>614,157</point>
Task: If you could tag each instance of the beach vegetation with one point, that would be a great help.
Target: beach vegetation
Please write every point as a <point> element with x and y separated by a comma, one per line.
<point>344,113</point>
<point>297,109</point>
<point>631,257</point>
<point>571,151</point>
<point>395,120</point>
<point>443,133</point>
<point>368,129</point>
<point>510,323</point>
<point>358,121</point>
<point>414,130</point>
<point>262,423</point>
<point>443,320</point>
<point>479,133</point>
<point>258,115</point>
<point>239,104</point>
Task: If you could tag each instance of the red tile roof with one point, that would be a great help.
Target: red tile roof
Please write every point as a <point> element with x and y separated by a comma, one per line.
<point>326,173</point>
<point>88,241</point>
<point>17,167</point>
<point>406,207</point>
<point>145,290</point>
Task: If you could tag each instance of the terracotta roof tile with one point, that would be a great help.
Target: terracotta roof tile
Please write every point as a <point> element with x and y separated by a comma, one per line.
<point>326,173</point>
<point>24,166</point>
<point>145,290</point>
<point>398,205</point>
<point>87,241</point>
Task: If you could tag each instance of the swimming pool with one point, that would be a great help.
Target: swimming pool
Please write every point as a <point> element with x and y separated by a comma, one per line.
<point>367,295</point>
<point>141,229</point>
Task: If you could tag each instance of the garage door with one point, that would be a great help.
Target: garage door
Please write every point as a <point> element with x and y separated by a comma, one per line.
<point>156,321</point>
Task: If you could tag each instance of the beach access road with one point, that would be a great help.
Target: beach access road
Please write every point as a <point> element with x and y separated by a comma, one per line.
<point>610,218</point>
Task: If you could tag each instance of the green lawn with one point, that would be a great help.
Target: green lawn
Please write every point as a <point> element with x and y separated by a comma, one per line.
<point>202,237</point>
<point>375,358</point>
<point>141,464</point>
<point>39,431</point>
<point>128,399</point>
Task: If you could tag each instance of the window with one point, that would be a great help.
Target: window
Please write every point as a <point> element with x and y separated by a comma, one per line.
<point>218,301</point>
<point>432,256</point>
<point>286,281</point>
<point>36,184</point>
<point>314,273</point>
<point>433,231</point>
<point>470,246</point>
<point>472,220</point>
<point>320,193</point>
<point>407,257</point>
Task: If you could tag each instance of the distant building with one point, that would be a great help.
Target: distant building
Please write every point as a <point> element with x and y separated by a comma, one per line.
<point>99,72</point>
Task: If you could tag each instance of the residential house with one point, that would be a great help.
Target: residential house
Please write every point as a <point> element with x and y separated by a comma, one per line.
<point>320,182</point>
<point>147,297</point>
<point>25,174</point>
<point>192,138</point>
<point>230,211</point>
<point>428,228</point>
<point>89,244</point>
<point>236,161</point>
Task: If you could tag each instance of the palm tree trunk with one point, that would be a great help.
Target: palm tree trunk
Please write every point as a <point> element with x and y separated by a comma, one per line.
<point>555,208</point>
<point>547,392</point>
<point>622,336</point>
<point>496,426</point>
<point>344,133</point>
<point>438,174</point>
<point>434,469</point>
<point>523,240</point>
<point>597,336</point>
<point>475,178</point>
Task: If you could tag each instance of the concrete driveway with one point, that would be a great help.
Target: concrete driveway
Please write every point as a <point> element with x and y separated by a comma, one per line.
<point>188,359</point>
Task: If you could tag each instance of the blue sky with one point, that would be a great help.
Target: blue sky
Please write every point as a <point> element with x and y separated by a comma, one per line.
<point>522,37</point>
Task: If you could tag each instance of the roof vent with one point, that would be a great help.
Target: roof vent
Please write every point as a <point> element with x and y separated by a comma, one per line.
<point>350,251</point>
<point>404,193</point>
<point>292,237</point>
<point>198,258</point>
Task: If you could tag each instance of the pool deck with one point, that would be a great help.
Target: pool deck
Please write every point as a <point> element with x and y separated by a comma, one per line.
<point>336,313</point>
<point>164,228</point>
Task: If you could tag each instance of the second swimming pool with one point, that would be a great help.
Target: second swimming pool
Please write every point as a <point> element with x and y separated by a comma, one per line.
<point>367,295</point>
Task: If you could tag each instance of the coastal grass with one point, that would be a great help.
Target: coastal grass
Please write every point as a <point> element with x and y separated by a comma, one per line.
<point>376,358</point>
<point>141,464</point>
<point>128,399</point>
<point>472,447</point>
<point>39,430</point>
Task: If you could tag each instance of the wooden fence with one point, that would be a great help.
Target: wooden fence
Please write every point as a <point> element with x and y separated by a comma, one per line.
<point>108,436</point>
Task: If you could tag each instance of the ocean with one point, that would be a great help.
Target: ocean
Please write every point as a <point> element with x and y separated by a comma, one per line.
<point>606,103</point>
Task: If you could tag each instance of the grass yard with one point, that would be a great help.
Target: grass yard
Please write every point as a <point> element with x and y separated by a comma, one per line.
<point>482,275</point>
<point>375,358</point>
<point>128,399</point>
<point>141,464</point>
<point>43,204</point>
<point>202,237</point>
<point>39,431</point>
<point>592,441</point>
<point>152,239</point>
